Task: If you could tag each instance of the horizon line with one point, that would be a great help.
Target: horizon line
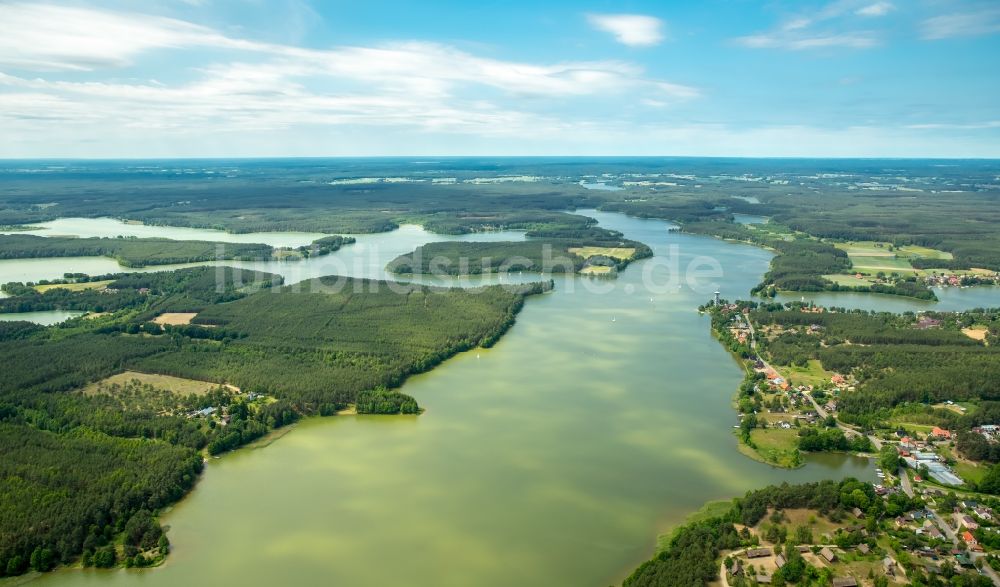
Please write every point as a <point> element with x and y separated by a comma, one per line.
<point>314,157</point>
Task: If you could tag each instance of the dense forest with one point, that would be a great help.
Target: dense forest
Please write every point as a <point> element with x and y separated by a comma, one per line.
<point>129,252</point>
<point>309,349</point>
<point>321,342</point>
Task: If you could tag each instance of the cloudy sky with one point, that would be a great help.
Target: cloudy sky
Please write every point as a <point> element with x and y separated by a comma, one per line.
<point>191,78</point>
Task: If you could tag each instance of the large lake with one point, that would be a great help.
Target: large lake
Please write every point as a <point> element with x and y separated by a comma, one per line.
<point>555,458</point>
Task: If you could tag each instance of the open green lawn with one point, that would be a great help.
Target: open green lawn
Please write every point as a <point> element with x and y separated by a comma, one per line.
<point>924,252</point>
<point>969,472</point>
<point>921,428</point>
<point>776,446</point>
<point>885,264</point>
<point>849,280</point>
<point>812,374</point>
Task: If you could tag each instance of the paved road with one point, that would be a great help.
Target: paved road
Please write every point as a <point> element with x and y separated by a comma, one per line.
<point>904,482</point>
<point>987,569</point>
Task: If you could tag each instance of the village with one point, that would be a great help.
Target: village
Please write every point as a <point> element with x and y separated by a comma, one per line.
<point>947,529</point>
<point>940,533</point>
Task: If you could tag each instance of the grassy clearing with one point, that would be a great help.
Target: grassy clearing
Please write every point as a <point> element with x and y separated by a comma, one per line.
<point>925,252</point>
<point>865,249</point>
<point>711,509</point>
<point>953,407</point>
<point>812,374</point>
<point>176,385</point>
<point>175,318</point>
<point>776,446</point>
<point>595,270</point>
<point>623,253</point>
<point>968,472</point>
<point>872,257</point>
<point>811,519</point>
<point>73,286</point>
<point>884,264</point>
<point>849,280</point>
<point>913,427</point>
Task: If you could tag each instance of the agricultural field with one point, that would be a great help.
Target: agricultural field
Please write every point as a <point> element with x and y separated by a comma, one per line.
<point>175,318</point>
<point>623,253</point>
<point>80,286</point>
<point>976,332</point>
<point>873,257</point>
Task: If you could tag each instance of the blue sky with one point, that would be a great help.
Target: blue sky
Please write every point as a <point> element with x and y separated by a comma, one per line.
<point>867,78</point>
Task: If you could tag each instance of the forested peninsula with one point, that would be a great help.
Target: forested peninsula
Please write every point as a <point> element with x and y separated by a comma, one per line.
<point>93,453</point>
<point>141,252</point>
<point>588,250</point>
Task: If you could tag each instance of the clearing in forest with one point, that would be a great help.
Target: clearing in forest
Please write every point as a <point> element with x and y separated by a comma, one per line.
<point>73,286</point>
<point>623,253</point>
<point>169,383</point>
<point>175,318</point>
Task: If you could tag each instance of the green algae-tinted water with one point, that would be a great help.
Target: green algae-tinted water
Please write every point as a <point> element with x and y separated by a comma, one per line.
<point>554,458</point>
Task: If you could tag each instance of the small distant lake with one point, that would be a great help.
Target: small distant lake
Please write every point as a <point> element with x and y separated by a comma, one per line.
<point>112,227</point>
<point>44,318</point>
<point>367,257</point>
<point>749,219</point>
<point>950,299</point>
<point>600,185</point>
<point>750,199</point>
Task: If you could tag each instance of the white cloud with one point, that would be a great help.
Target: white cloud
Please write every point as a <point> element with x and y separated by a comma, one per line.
<point>634,30</point>
<point>44,37</point>
<point>795,42</point>
<point>827,27</point>
<point>251,86</point>
<point>876,9</point>
<point>955,126</point>
<point>962,24</point>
